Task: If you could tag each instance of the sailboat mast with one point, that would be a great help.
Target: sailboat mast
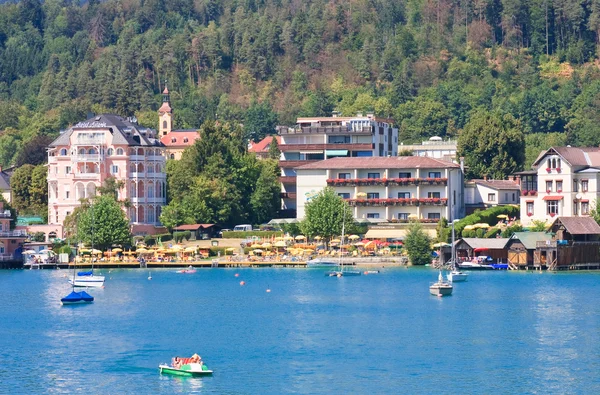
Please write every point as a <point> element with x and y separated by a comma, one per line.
<point>342,240</point>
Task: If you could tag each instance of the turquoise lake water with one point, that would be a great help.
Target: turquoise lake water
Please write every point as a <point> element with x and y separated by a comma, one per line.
<point>500,332</point>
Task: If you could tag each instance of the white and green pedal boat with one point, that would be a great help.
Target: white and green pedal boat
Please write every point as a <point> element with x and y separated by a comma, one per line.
<point>189,367</point>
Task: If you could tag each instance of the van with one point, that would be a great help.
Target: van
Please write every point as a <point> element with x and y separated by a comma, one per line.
<point>242,228</point>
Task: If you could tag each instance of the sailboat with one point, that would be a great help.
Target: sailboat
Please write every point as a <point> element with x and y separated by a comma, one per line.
<point>87,278</point>
<point>74,297</point>
<point>441,287</point>
<point>341,272</point>
<point>455,275</point>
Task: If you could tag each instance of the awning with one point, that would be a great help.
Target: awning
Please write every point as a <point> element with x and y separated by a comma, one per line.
<point>370,220</point>
<point>552,198</point>
<point>277,221</point>
<point>336,152</point>
<point>394,233</point>
<point>311,152</point>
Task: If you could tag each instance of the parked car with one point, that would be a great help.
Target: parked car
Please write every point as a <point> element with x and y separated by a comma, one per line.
<point>223,230</point>
<point>242,228</point>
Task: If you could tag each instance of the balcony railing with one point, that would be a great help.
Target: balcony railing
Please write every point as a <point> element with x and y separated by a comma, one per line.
<point>5,214</point>
<point>287,179</point>
<point>398,202</point>
<point>322,147</point>
<point>86,175</point>
<point>565,243</point>
<point>325,130</point>
<point>290,164</point>
<point>6,257</point>
<point>13,233</point>
<point>385,181</point>
<point>80,140</point>
<point>287,195</point>
<point>421,220</point>
<point>87,158</point>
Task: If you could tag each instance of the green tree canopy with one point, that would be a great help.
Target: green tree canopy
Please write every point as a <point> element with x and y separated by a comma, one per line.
<point>492,145</point>
<point>417,244</point>
<point>103,223</point>
<point>325,215</point>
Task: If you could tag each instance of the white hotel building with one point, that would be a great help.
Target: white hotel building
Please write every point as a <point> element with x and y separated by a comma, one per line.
<point>396,189</point>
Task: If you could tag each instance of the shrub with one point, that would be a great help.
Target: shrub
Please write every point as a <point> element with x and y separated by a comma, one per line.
<point>187,234</point>
<point>150,240</point>
<point>491,233</point>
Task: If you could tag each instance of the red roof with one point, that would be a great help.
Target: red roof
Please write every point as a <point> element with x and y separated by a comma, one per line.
<point>498,184</point>
<point>552,198</point>
<point>396,162</point>
<point>263,145</point>
<point>178,138</point>
<point>193,227</point>
<point>165,107</point>
<point>166,91</point>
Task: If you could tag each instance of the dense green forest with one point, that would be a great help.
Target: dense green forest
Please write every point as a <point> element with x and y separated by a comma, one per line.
<point>527,69</point>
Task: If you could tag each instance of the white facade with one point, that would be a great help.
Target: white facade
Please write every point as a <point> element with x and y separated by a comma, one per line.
<point>397,189</point>
<point>490,193</point>
<point>435,148</point>
<point>564,183</point>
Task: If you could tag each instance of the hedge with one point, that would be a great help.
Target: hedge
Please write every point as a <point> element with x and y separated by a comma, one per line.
<point>489,216</point>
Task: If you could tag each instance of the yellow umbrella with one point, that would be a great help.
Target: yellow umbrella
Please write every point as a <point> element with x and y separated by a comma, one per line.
<point>177,247</point>
<point>230,249</point>
<point>318,237</point>
<point>190,249</point>
<point>502,216</point>
<point>141,250</point>
<point>354,237</point>
<point>288,238</point>
<point>438,245</point>
<point>469,227</point>
<point>267,245</point>
<point>482,226</point>
<point>96,252</point>
<point>335,240</point>
<point>300,237</point>
<point>117,250</point>
<point>280,244</point>
<point>255,246</point>
<point>279,238</point>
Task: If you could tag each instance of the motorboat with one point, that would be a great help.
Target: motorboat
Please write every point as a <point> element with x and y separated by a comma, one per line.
<point>343,273</point>
<point>319,262</point>
<point>474,266</point>
<point>189,367</point>
<point>86,279</point>
<point>441,287</point>
<point>189,270</point>
<point>456,276</point>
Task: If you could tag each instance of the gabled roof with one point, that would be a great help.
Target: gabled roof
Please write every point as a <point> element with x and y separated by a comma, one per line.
<point>578,225</point>
<point>575,156</point>
<point>178,137</point>
<point>498,184</point>
<point>124,131</point>
<point>194,227</point>
<point>529,239</point>
<point>397,162</point>
<point>492,244</point>
<point>263,145</point>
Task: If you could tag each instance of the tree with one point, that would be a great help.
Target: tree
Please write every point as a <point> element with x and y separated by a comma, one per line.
<point>492,145</point>
<point>260,120</point>
<point>265,200</point>
<point>111,187</point>
<point>33,152</point>
<point>418,244</point>
<point>326,214</point>
<point>274,151</point>
<point>20,182</point>
<point>595,211</point>
<point>103,223</point>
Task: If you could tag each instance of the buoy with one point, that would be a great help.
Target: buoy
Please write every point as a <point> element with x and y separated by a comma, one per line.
<point>236,275</point>
<point>366,273</point>
<point>242,283</point>
<point>339,274</point>
<point>268,290</point>
<point>149,276</point>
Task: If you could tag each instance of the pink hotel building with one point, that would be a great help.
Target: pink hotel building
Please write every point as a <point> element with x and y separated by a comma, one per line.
<point>84,156</point>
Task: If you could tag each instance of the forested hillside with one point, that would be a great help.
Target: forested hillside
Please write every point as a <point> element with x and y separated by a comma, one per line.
<point>525,68</point>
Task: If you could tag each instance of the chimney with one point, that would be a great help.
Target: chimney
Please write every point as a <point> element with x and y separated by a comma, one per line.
<point>485,177</point>
<point>518,180</point>
<point>511,178</point>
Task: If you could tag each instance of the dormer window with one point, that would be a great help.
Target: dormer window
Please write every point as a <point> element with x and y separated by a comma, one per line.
<point>173,140</point>
<point>185,140</point>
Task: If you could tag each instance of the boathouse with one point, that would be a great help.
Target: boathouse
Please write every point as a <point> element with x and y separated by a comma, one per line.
<point>575,245</point>
<point>470,247</point>
<point>521,247</point>
<point>199,231</point>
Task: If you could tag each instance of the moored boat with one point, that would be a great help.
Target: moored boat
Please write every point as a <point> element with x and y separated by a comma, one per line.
<point>87,279</point>
<point>441,287</point>
<point>457,276</point>
<point>318,262</point>
<point>74,297</point>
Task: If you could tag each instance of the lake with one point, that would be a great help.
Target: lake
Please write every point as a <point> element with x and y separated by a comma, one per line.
<point>500,332</point>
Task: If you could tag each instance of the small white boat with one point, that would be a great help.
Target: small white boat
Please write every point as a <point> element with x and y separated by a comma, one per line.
<point>440,287</point>
<point>318,262</point>
<point>87,281</point>
<point>456,276</point>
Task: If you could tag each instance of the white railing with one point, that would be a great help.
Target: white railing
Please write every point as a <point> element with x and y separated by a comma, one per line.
<point>13,233</point>
<point>5,214</point>
<point>136,157</point>
<point>80,140</point>
<point>86,158</point>
<point>137,174</point>
<point>86,175</point>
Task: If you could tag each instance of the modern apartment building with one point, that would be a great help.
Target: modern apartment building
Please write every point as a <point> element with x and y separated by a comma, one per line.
<point>396,189</point>
<point>564,182</point>
<point>107,145</point>
<point>323,138</point>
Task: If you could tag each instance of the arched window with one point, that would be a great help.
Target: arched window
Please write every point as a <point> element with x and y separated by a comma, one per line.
<point>158,168</point>
<point>92,151</point>
<point>140,151</point>
<point>164,124</point>
<point>90,190</point>
<point>119,151</point>
<point>173,140</point>
<point>150,217</point>
<point>133,190</point>
<point>150,169</point>
<point>558,163</point>
<point>141,168</point>
<point>554,163</point>
<point>63,152</point>
<point>185,140</point>
<point>110,152</point>
<point>132,151</point>
<point>80,191</point>
<point>549,163</point>
<point>81,151</point>
<point>150,190</point>
<point>157,213</point>
<point>133,168</point>
<point>140,190</point>
<point>132,214</point>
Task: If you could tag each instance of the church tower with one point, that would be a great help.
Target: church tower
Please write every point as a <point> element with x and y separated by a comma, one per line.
<point>165,114</point>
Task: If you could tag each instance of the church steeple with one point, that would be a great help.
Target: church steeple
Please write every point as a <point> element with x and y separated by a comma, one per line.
<point>165,113</point>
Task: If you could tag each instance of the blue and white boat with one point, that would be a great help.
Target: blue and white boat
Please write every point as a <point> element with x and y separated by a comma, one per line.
<point>80,297</point>
<point>86,279</point>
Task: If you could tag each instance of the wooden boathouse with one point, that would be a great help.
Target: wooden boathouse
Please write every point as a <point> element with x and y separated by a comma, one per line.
<point>522,246</point>
<point>575,245</point>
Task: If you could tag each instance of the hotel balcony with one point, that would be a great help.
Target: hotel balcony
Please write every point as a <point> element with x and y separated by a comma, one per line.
<point>137,175</point>
<point>326,130</point>
<point>339,182</point>
<point>13,234</point>
<point>292,164</point>
<point>86,176</point>
<point>287,179</point>
<point>88,141</point>
<point>323,147</point>
<point>5,214</point>
<point>398,202</point>
<point>87,158</point>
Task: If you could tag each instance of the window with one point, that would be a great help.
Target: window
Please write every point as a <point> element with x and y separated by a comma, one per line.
<point>404,175</point>
<point>403,195</point>
<point>172,156</point>
<point>372,195</point>
<point>548,186</point>
<point>68,170</point>
<point>575,185</point>
<point>173,140</point>
<point>372,215</point>
<point>110,152</point>
<point>552,207</point>
<point>403,216</point>
<point>435,174</point>
<point>373,175</point>
<point>164,124</point>
<point>558,163</point>
<point>63,152</point>
<point>491,197</point>
<point>575,208</point>
<point>529,208</point>
<point>433,216</point>
<point>506,196</point>
<point>549,166</point>
<point>67,194</point>
<point>185,140</point>
<point>558,186</point>
<point>344,176</point>
<point>344,195</point>
<point>584,186</point>
<point>119,151</point>
<point>433,195</point>
<point>585,208</point>
<point>554,163</point>
<point>114,169</point>
<point>514,197</point>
